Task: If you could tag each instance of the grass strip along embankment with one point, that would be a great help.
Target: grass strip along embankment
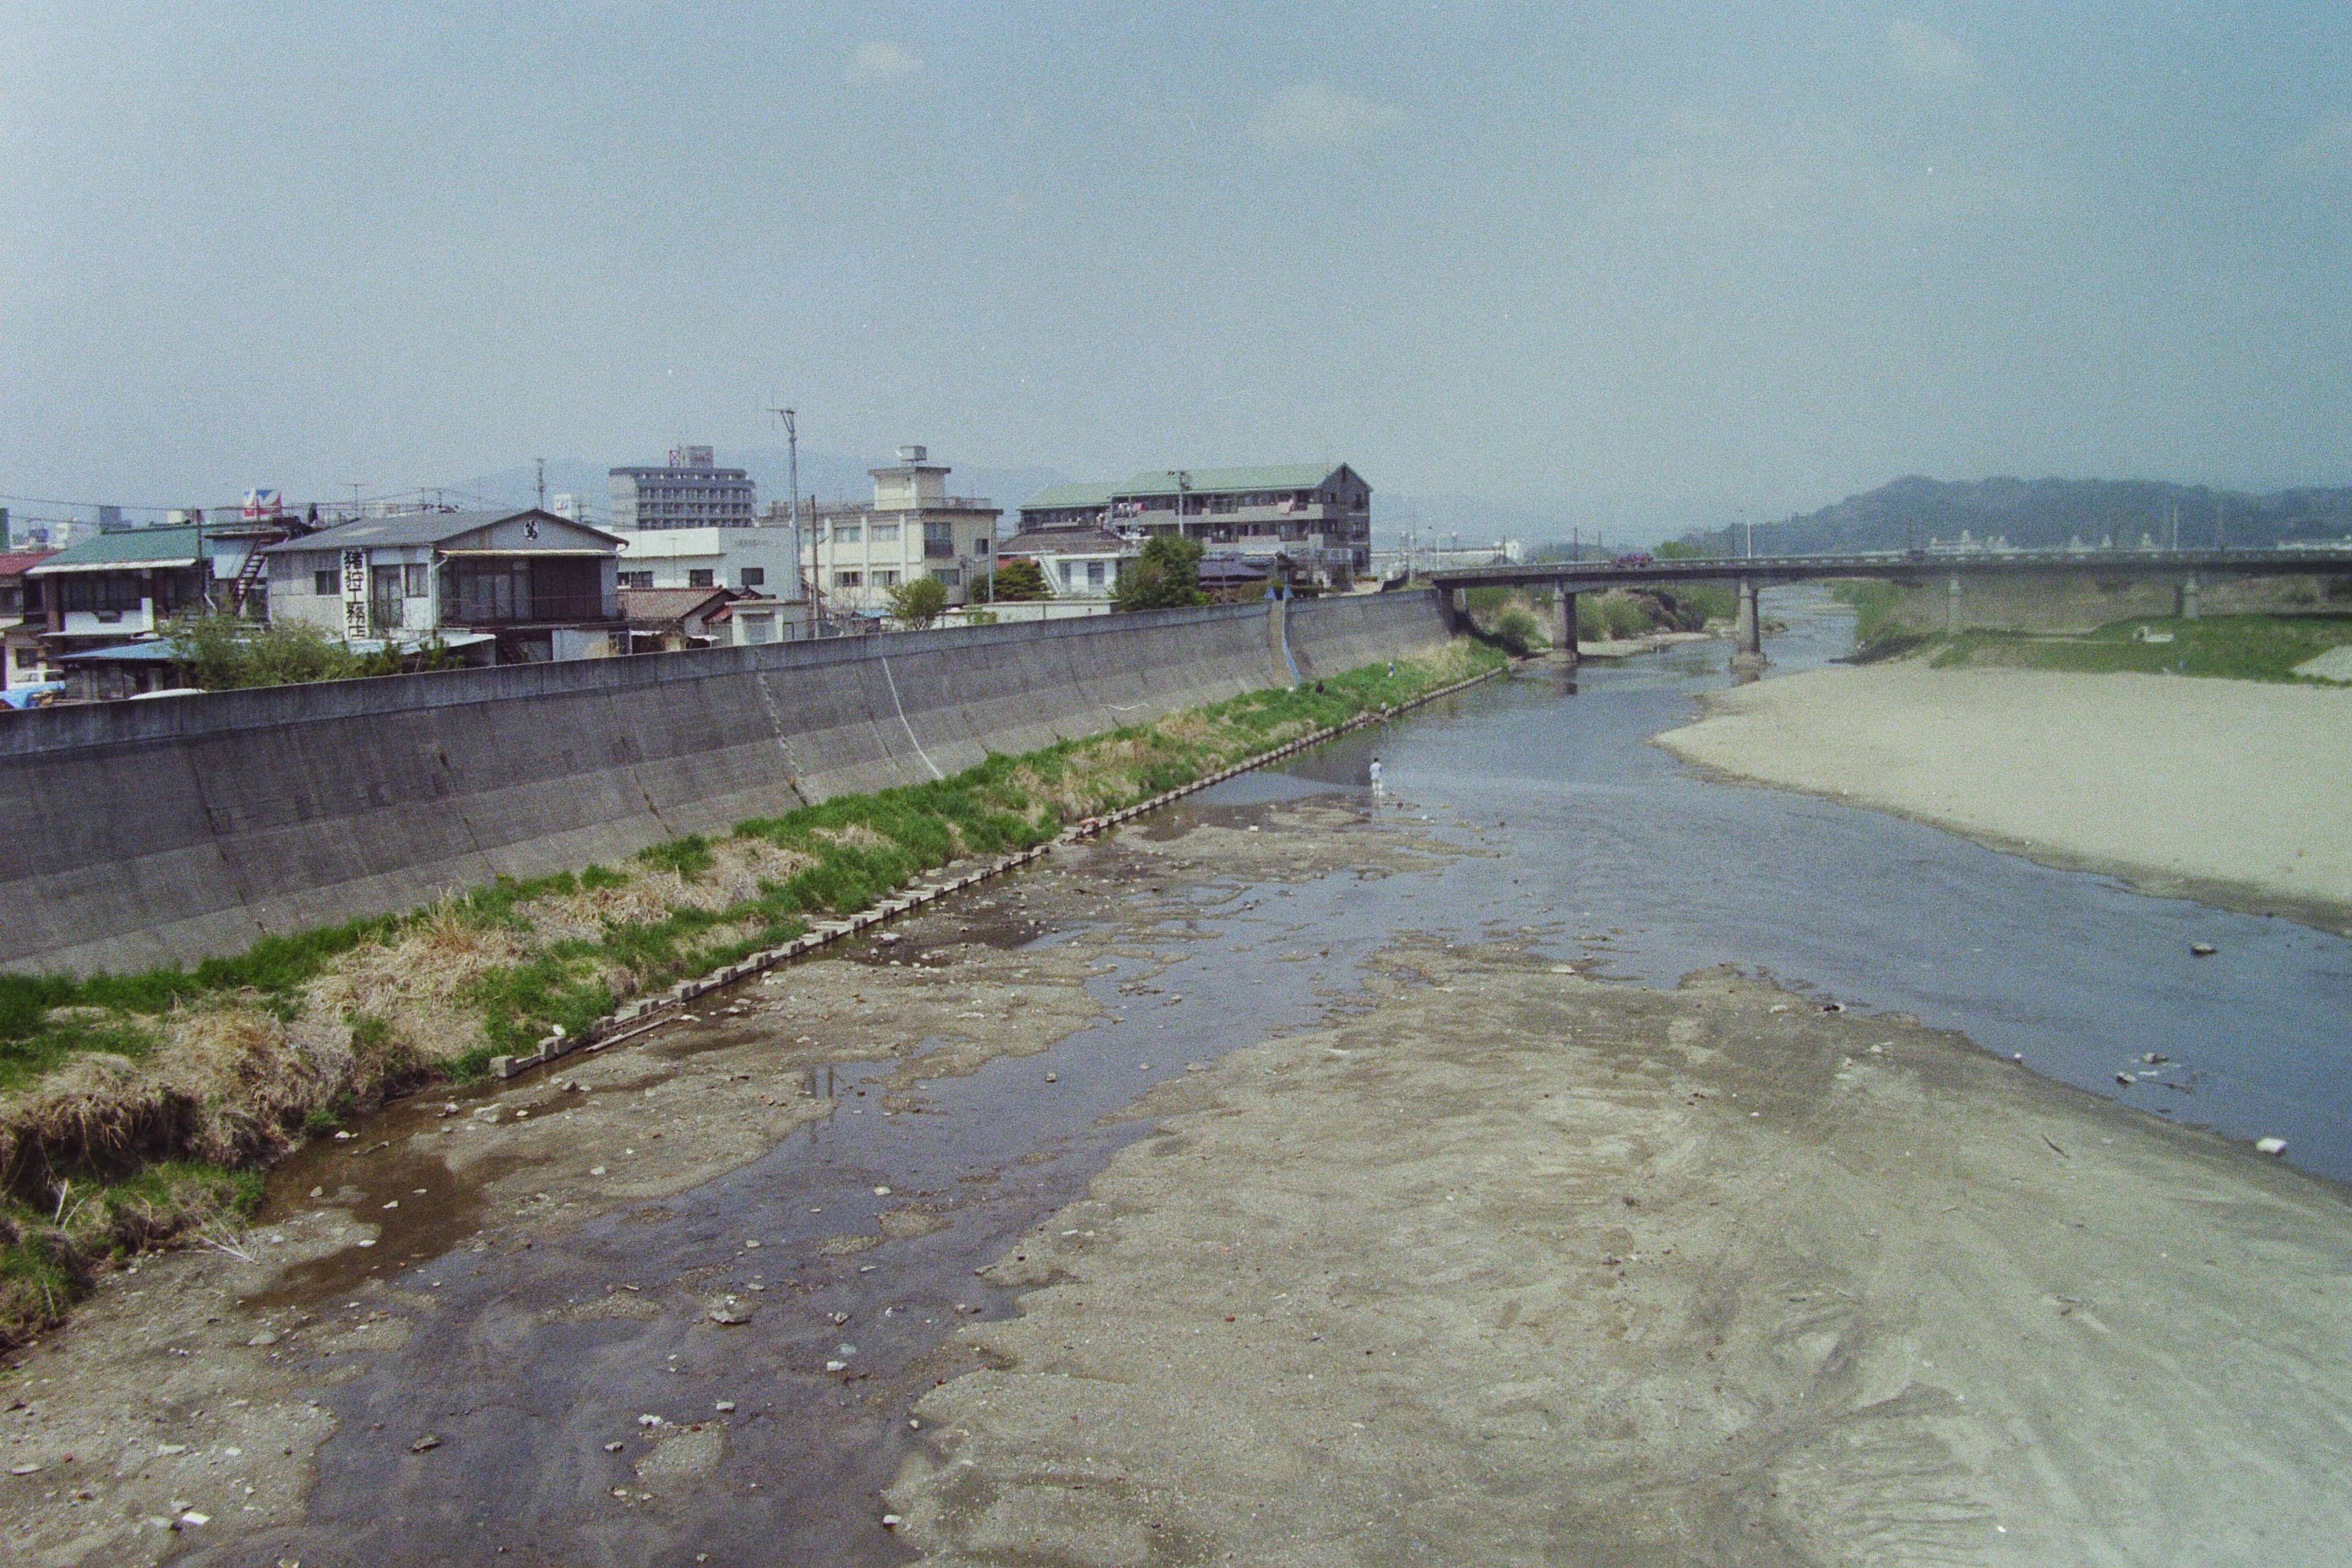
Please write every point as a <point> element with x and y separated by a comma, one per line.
<point>136,1109</point>
<point>2260,647</point>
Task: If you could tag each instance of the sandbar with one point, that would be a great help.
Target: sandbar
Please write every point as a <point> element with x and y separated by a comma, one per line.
<point>2233,791</point>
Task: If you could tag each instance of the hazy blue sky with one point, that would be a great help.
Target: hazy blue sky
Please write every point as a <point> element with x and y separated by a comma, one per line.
<point>1596,255</point>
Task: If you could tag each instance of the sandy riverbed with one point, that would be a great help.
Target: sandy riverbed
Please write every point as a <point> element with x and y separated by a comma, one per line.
<point>1527,1268</point>
<point>1688,1276</point>
<point>2234,792</point>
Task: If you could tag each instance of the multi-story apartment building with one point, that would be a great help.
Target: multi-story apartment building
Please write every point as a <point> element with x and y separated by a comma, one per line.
<point>1316,515</point>
<point>692,491</point>
<point>857,553</point>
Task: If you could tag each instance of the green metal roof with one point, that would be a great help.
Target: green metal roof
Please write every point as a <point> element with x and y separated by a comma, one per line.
<point>1068,495</point>
<point>1203,481</point>
<point>132,547</point>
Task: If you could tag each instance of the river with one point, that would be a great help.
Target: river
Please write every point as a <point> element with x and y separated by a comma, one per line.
<point>1570,835</point>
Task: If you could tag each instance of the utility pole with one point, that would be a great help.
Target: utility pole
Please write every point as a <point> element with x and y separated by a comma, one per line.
<point>355,485</point>
<point>793,478</point>
<point>542,482</point>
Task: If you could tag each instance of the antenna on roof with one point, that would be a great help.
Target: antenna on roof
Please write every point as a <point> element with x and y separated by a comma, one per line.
<point>542,482</point>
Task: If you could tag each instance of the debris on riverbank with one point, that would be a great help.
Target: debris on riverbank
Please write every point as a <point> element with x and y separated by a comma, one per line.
<point>2230,792</point>
<point>1523,1267</point>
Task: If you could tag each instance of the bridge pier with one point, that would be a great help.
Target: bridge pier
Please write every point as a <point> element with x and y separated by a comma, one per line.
<point>2191,597</point>
<point>1952,604</point>
<point>1748,630</point>
<point>1458,609</point>
<point>1566,640</point>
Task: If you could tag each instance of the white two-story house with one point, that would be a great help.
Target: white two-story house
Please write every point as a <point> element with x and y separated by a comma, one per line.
<point>538,585</point>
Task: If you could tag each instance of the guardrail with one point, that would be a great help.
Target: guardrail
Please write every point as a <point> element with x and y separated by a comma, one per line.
<point>1724,567</point>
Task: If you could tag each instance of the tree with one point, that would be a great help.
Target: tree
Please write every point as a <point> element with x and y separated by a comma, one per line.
<point>1167,574</point>
<point>918,603</point>
<point>222,652</point>
<point>1019,579</point>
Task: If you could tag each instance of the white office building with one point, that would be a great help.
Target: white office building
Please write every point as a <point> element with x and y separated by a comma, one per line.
<point>857,553</point>
<point>755,559</point>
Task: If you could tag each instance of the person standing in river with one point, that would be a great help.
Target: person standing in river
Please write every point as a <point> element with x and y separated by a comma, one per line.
<point>1375,771</point>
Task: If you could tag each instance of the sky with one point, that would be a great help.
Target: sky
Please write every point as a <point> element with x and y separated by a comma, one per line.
<point>1590,263</point>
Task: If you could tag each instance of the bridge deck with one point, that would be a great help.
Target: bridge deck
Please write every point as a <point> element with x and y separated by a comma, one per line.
<point>1598,576</point>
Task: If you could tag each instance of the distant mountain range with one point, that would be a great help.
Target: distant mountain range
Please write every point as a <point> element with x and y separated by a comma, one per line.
<point>2046,514</point>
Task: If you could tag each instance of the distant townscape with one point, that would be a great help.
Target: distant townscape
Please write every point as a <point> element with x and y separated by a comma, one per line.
<point>685,557</point>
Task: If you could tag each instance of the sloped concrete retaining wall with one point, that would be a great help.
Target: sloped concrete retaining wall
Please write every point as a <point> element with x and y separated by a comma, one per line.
<point>161,832</point>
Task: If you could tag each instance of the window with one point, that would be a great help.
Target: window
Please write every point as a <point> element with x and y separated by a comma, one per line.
<point>413,584</point>
<point>848,532</point>
<point>1065,573</point>
<point>753,577</point>
<point>28,659</point>
<point>886,579</point>
<point>700,577</point>
<point>938,540</point>
<point>885,533</point>
<point>948,575</point>
<point>637,579</point>
<point>323,583</point>
<point>106,593</point>
<point>1093,574</point>
<point>849,579</point>
<point>758,628</point>
<point>980,545</point>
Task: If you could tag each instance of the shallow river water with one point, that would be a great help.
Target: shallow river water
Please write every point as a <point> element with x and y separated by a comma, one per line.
<point>1585,842</point>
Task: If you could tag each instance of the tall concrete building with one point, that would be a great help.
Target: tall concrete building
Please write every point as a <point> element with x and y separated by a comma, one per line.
<point>690,491</point>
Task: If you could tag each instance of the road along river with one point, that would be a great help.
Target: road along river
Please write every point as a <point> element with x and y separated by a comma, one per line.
<point>678,1302</point>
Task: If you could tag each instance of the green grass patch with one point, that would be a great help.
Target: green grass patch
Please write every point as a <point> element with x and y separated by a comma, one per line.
<point>2227,648</point>
<point>48,1255</point>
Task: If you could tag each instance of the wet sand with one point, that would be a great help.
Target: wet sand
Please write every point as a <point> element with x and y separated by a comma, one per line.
<point>1524,1267</point>
<point>2232,792</point>
<point>1645,1276</point>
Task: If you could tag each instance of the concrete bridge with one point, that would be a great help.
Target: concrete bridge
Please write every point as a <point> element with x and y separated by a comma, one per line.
<point>2187,570</point>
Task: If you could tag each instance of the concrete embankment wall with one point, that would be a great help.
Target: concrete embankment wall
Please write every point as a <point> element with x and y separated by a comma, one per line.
<point>143,832</point>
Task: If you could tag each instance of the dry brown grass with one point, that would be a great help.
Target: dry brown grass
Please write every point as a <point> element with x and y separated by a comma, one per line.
<point>412,982</point>
<point>251,1076</point>
<point>95,1111</point>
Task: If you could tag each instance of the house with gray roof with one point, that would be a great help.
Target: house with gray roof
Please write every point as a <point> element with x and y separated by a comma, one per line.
<point>1316,515</point>
<point>541,586</point>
